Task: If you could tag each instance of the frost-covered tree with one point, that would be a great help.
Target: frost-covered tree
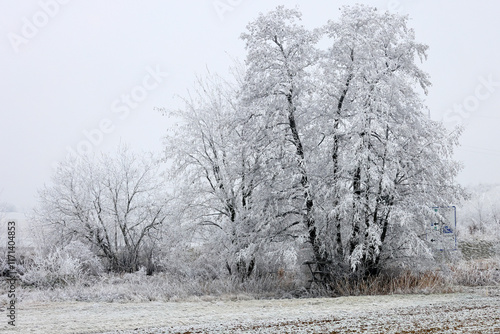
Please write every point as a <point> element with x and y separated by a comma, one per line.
<point>277,88</point>
<point>218,156</point>
<point>480,214</point>
<point>330,146</point>
<point>366,155</point>
<point>390,163</point>
<point>116,205</point>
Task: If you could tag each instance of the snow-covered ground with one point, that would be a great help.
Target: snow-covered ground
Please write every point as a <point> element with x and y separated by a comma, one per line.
<point>473,311</point>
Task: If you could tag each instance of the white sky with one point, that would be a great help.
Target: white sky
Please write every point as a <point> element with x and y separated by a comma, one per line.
<point>69,75</point>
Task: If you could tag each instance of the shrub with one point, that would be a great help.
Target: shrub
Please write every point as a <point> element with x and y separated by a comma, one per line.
<point>476,272</point>
<point>404,282</point>
<point>61,266</point>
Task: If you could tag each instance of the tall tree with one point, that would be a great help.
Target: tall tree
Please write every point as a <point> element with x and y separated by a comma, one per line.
<point>332,146</point>
<point>356,103</point>
<point>277,85</point>
<point>397,162</point>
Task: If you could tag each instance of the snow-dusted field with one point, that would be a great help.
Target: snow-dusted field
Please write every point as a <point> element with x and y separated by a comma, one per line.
<point>473,311</point>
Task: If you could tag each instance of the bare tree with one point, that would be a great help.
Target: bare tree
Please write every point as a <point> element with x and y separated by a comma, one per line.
<point>480,214</point>
<point>115,204</point>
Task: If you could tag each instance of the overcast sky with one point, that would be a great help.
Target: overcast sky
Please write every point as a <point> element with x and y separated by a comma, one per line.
<point>87,74</point>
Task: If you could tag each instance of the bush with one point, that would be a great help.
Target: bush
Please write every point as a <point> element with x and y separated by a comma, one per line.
<point>52,270</point>
<point>403,282</point>
<point>476,272</point>
<point>89,262</point>
<point>477,249</point>
<point>61,266</point>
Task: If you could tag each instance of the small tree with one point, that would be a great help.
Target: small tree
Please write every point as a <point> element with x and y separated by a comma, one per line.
<point>117,205</point>
<point>480,215</point>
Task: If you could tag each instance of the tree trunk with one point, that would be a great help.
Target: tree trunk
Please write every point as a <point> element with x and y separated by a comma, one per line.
<point>308,217</point>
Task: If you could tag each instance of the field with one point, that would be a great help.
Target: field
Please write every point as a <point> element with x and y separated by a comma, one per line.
<point>473,310</point>
<point>139,304</point>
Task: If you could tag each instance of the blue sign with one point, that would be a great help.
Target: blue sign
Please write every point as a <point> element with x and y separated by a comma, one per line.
<point>447,229</point>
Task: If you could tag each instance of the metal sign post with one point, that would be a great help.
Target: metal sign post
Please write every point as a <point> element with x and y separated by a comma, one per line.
<point>441,233</point>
